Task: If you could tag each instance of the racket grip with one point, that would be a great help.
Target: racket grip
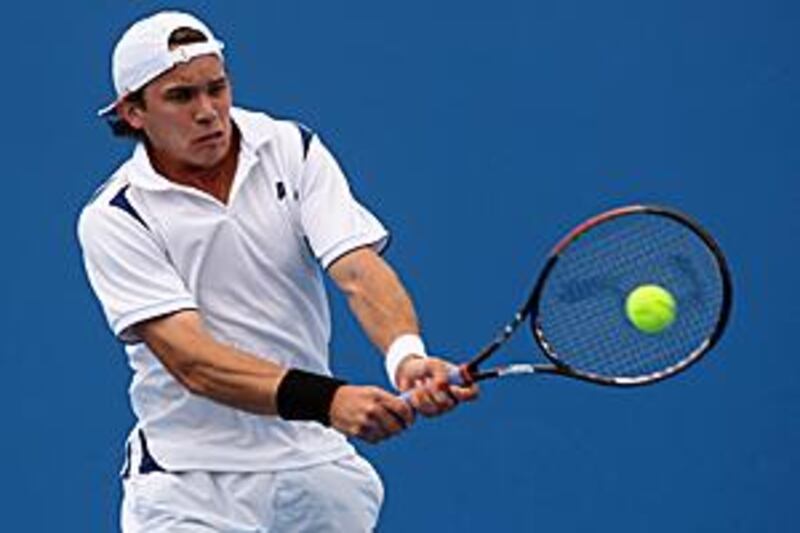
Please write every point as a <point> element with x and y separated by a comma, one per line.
<point>455,377</point>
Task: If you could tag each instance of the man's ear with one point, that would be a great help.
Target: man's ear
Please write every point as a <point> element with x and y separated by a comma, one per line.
<point>131,112</point>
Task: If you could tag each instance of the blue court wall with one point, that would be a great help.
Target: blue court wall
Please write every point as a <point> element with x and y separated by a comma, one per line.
<point>479,132</point>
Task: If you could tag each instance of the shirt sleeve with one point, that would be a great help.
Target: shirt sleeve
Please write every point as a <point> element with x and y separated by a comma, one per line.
<point>128,271</point>
<point>333,220</point>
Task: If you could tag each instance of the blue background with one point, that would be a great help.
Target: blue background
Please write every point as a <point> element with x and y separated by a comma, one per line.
<point>479,132</point>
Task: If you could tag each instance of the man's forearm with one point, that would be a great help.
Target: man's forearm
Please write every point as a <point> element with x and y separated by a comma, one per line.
<point>376,296</point>
<point>386,313</point>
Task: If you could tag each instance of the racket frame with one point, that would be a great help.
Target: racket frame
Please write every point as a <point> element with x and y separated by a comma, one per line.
<point>471,371</point>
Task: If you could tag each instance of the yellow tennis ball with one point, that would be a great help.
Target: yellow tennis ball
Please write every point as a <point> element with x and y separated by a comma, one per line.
<point>650,308</point>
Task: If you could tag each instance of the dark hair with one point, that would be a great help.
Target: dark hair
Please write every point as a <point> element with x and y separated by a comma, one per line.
<point>119,126</point>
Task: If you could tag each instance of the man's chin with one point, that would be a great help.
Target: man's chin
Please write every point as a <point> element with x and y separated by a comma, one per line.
<point>208,158</point>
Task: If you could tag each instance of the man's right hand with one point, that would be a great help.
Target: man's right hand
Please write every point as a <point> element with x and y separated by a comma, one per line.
<point>369,413</point>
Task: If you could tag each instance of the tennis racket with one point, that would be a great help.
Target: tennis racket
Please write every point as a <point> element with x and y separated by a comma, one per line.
<point>576,309</point>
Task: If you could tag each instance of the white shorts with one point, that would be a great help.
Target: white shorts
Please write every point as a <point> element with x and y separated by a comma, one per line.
<point>339,496</point>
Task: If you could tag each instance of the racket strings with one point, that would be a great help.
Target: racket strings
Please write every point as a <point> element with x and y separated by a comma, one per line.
<point>636,360</point>
<point>582,308</point>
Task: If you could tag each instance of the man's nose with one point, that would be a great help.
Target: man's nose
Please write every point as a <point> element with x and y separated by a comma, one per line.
<point>205,111</point>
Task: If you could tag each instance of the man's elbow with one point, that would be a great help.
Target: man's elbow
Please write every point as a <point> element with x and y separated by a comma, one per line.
<point>353,272</point>
<point>180,343</point>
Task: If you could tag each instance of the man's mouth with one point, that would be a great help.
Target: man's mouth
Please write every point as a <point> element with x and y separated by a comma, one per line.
<point>209,138</point>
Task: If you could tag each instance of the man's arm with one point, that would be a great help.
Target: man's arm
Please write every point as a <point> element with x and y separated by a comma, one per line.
<point>241,380</point>
<point>209,368</point>
<point>385,311</point>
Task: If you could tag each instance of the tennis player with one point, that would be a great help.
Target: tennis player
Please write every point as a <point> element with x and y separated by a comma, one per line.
<point>206,250</point>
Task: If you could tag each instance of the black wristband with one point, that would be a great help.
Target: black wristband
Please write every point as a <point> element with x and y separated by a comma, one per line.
<point>305,396</point>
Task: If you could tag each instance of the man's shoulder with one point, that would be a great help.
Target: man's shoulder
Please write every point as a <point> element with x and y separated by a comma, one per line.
<point>110,198</point>
<point>104,193</point>
<point>264,126</point>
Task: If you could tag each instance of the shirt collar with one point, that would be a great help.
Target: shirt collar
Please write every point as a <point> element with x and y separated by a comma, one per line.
<point>256,130</point>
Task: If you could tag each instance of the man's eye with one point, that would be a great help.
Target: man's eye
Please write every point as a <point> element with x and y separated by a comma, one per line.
<point>215,89</point>
<point>179,95</point>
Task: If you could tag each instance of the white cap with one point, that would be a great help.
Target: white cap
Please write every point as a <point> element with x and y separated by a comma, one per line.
<point>143,53</point>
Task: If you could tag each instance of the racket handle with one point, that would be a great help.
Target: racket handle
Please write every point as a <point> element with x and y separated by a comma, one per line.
<point>455,377</point>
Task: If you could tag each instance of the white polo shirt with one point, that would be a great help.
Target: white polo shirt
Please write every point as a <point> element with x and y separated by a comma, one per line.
<point>251,268</point>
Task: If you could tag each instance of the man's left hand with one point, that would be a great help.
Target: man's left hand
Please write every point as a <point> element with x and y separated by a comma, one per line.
<point>432,394</point>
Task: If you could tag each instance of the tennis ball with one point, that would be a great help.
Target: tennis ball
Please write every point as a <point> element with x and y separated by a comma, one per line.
<point>650,308</point>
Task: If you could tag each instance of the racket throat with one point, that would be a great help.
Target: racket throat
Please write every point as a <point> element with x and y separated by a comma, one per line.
<point>517,369</point>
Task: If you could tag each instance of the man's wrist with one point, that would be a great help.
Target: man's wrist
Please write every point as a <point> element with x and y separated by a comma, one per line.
<point>402,347</point>
<point>304,395</point>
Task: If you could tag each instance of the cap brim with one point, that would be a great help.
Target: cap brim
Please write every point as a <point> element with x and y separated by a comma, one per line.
<point>107,110</point>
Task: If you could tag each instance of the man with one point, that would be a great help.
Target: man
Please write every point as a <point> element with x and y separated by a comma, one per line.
<point>205,249</point>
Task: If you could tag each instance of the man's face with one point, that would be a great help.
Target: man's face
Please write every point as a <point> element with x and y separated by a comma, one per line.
<point>186,115</point>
